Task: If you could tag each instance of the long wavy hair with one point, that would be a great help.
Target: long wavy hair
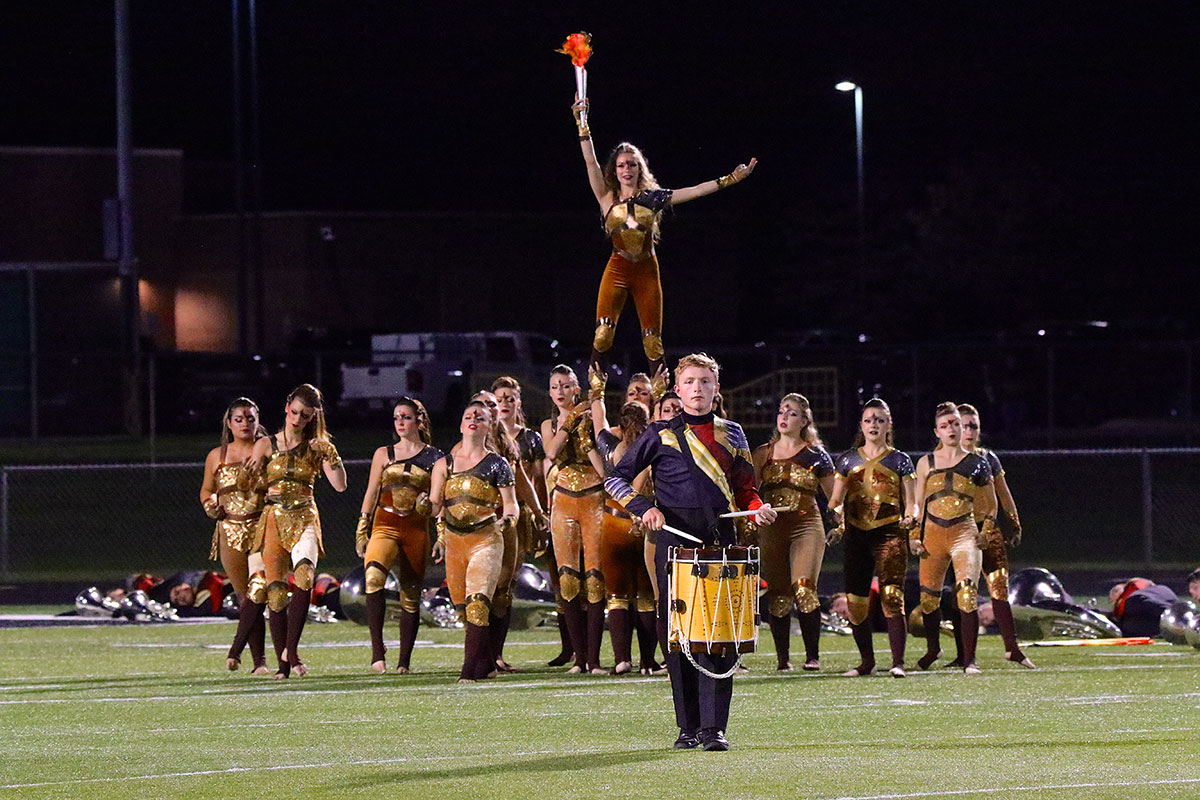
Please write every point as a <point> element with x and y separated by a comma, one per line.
<point>424,426</point>
<point>311,396</point>
<point>491,442</point>
<point>875,402</point>
<point>646,179</point>
<point>499,440</point>
<point>241,402</point>
<point>808,433</point>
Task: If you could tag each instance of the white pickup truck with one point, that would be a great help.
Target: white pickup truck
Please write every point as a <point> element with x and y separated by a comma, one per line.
<point>444,369</point>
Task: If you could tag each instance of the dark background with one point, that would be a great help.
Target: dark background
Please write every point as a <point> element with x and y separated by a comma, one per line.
<point>1041,156</point>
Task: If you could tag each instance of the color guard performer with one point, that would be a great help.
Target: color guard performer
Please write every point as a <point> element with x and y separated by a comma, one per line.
<point>576,517</point>
<point>475,502</point>
<point>289,531</point>
<point>791,469</point>
<point>532,528</point>
<point>232,498</point>
<point>876,489</point>
<point>1006,533</point>
<point>691,490</point>
<point>393,528</point>
<point>952,483</point>
<point>632,204</point>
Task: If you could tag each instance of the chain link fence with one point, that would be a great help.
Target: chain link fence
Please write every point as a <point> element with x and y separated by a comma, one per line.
<point>1108,508</point>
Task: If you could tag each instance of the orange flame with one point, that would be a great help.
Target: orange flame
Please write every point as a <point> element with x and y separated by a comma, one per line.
<point>579,47</point>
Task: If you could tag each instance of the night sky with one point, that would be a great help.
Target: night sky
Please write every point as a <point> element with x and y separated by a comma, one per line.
<point>1045,150</point>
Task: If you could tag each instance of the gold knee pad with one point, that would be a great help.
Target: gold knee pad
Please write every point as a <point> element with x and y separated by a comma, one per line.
<point>410,598</point>
<point>560,604</point>
<point>997,583</point>
<point>891,598</point>
<point>568,583</point>
<point>966,596</point>
<point>305,574</point>
<point>606,330</point>
<point>618,603</point>
<point>806,595</point>
<point>857,607</point>
<point>477,610</point>
<point>375,578</point>
<point>256,591</point>
<point>780,605</point>
<point>277,595</point>
<point>652,343</point>
<point>593,584</point>
<point>645,604</point>
<point>931,600</point>
<point>502,602</point>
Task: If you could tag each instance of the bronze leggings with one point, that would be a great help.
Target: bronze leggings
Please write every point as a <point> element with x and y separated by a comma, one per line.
<point>622,557</point>
<point>954,545</point>
<point>473,562</point>
<point>403,543</point>
<point>622,278</point>
<point>791,549</point>
<point>575,524</point>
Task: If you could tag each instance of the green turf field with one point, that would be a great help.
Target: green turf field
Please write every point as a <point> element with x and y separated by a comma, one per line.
<point>148,712</point>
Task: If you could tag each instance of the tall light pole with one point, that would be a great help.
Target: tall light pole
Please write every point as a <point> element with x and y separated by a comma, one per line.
<point>850,86</point>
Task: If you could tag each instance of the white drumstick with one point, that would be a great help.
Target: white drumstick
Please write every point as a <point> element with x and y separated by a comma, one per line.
<point>678,532</point>
<point>733,514</point>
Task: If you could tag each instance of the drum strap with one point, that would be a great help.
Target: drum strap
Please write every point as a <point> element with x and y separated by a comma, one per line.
<point>679,427</point>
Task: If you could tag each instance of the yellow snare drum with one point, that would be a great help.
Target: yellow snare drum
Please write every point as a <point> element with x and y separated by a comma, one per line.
<point>713,593</point>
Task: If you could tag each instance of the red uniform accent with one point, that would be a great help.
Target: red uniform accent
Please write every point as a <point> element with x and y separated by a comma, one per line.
<point>745,493</point>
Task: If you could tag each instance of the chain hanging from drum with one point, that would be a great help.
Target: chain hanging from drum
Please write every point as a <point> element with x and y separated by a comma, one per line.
<point>713,593</point>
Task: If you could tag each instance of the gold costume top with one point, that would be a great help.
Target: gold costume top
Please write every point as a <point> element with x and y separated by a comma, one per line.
<point>630,224</point>
<point>793,482</point>
<point>951,492</point>
<point>472,498</point>
<point>874,486</point>
<point>240,506</point>
<point>576,475</point>
<point>291,476</point>
<point>403,480</point>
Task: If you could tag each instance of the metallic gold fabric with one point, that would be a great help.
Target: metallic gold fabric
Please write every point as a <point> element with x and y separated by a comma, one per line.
<point>874,496</point>
<point>950,497</point>
<point>277,595</point>
<point>891,598</point>
<point>304,574</point>
<point>289,525</point>
<point>652,343</point>
<point>630,226</point>
<point>780,605</point>
<point>256,590</point>
<point>966,597</point>
<point>477,610</point>
<point>606,331</point>
<point>858,607</point>
<point>568,583</point>
<point>410,598</point>
<point>617,604</point>
<point>374,579</point>
<point>930,600</point>
<point>997,583</point>
<point>399,486</point>
<point>470,502</point>
<point>805,590</point>
<point>240,509</point>
<point>593,583</point>
<point>785,483</point>
<point>646,603</point>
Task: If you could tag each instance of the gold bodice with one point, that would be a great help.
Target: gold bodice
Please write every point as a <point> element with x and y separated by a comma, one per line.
<point>471,502</point>
<point>786,483</point>
<point>399,486</point>
<point>874,495</point>
<point>239,504</point>
<point>630,226</point>
<point>576,475</point>
<point>950,496</point>
<point>291,474</point>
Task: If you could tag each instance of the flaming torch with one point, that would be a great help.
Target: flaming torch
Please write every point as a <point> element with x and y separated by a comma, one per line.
<point>579,47</point>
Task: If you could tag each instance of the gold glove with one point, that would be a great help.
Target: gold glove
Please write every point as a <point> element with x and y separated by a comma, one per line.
<point>658,384</point>
<point>212,507</point>
<point>507,523</point>
<point>362,532</point>
<point>597,382</point>
<point>579,110</point>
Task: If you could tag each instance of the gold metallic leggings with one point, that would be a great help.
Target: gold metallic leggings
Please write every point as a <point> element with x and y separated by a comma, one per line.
<point>622,278</point>
<point>402,542</point>
<point>791,549</point>
<point>575,524</point>
<point>473,562</point>
<point>948,545</point>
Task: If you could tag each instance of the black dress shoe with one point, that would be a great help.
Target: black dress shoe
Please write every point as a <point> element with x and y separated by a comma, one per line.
<point>714,739</point>
<point>687,740</point>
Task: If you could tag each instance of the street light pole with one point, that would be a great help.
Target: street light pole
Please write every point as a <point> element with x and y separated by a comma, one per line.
<point>850,86</point>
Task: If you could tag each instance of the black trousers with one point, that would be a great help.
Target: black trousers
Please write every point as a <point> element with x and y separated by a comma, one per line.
<point>700,701</point>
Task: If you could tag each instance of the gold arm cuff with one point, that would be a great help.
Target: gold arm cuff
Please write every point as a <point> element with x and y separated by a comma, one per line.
<point>725,181</point>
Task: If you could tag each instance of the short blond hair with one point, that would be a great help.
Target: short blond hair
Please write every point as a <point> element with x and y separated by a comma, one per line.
<point>702,360</point>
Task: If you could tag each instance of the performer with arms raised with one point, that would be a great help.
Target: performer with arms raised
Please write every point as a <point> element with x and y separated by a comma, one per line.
<point>692,489</point>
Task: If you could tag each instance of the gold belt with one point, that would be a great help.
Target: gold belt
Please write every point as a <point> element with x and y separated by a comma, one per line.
<point>291,505</point>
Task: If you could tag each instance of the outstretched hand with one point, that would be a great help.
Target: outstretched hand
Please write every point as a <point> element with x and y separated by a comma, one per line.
<point>742,171</point>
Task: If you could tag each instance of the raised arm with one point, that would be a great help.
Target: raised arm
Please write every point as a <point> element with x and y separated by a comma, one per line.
<point>595,174</point>
<point>739,174</point>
